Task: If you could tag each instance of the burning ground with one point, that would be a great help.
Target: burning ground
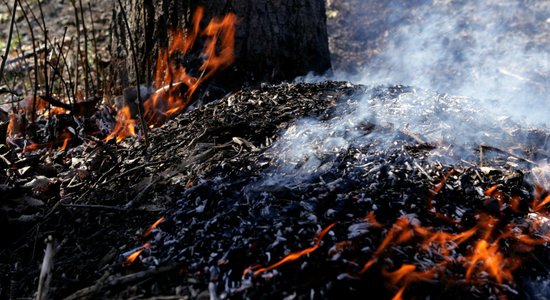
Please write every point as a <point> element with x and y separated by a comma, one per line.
<point>322,190</point>
<point>332,195</point>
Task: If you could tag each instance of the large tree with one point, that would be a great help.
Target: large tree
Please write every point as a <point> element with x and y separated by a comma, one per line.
<point>274,39</point>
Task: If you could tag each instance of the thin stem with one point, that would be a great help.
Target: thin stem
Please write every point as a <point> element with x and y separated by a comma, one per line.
<point>77,54</point>
<point>10,34</point>
<point>64,84</point>
<point>85,56</point>
<point>146,57</point>
<point>99,69</point>
<point>35,91</point>
<point>46,80</point>
<point>134,58</point>
<point>56,67</point>
<point>66,64</point>
<point>22,64</point>
<point>42,27</point>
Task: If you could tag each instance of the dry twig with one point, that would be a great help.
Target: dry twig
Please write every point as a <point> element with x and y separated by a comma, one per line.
<point>45,272</point>
<point>111,282</point>
<point>487,147</point>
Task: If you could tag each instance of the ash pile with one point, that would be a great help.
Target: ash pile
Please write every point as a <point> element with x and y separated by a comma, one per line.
<point>294,191</point>
<point>334,190</point>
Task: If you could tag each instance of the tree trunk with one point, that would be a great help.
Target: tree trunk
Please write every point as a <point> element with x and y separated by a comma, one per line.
<point>275,40</point>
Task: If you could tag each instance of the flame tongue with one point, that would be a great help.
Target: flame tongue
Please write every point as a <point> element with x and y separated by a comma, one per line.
<point>153,226</point>
<point>484,256</point>
<point>175,85</point>
<point>134,255</point>
<point>125,126</point>
<point>293,256</point>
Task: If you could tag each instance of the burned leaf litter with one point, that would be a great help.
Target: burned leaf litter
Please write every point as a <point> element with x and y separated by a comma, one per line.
<point>294,190</point>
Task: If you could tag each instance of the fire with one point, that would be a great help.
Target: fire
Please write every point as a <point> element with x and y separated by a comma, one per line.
<point>483,256</point>
<point>398,232</point>
<point>13,125</point>
<point>538,204</point>
<point>494,193</point>
<point>488,251</point>
<point>39,105</point>
<point>441,241</point>
<point>371,218</point>
<point>125,126</point>
<point>406,275</point>
<point>132,257</point>
<point>31,147</point>
<point>66,143</point>
<point>55,111</point>
<point>487,257</point>
<point>399,295</point>
<point>135,254</point>
<point>66,136</point>
<point>175,86</point>
<point>21,114</point>
<point>152,227</point>
<point>293,256</point>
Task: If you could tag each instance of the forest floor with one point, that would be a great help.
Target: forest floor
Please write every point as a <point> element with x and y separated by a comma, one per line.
<point>98,200</point>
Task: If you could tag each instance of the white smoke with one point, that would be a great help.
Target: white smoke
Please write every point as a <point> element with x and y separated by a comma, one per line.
<point>495,52</point>
<point>493,56</point>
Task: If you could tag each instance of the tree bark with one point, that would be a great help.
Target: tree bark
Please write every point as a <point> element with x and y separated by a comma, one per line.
<point>275,40</point>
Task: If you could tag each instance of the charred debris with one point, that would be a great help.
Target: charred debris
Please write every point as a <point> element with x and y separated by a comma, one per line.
<point>286,191</point>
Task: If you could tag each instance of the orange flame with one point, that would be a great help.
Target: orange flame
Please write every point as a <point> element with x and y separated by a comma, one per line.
<point>27,104</point>
<point>371,218</point>
<point>66,136</point>
<point>540,205</point>
<point>433,193</point>
<point>515,203</point>
<point>442,241</point>
<point>31,147</point>
<point>485,258</point>
<point>13,125</point>
<point>42,107</point>
<point>399,295</point>
<point>132,257</point>
<point>494,193</point>
<point>339,247</point>
<point>55,111</point>
<point>125,126</point>
<point>406,275</point>
<point>294,256</point>
<point>396,233</point>
<point>175,87</point>
<point>152,227</point>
